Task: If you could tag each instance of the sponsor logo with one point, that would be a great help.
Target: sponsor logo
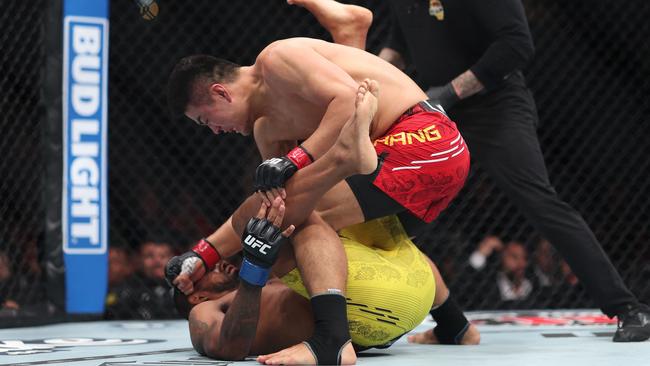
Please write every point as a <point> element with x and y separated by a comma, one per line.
<point>563,318</point>
<point>255,243</point>
<point>85,121</point>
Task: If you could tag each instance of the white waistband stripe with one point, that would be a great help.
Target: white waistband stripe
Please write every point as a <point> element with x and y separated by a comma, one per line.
<point>406,167</point>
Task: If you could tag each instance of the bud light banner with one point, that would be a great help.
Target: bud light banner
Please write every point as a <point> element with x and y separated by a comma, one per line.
<point>85,123</point>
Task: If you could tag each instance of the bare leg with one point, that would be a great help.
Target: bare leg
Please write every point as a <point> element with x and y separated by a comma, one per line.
<point>320,256</point>
<point>471,336</point>
<point>317,273</point>
<point>348,24</point>
<point>442,291</point>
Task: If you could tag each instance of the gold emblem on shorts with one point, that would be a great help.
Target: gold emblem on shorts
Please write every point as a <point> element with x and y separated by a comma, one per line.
<point>436,9</point>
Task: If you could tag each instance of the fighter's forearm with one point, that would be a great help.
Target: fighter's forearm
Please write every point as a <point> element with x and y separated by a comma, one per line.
<point>466,84</point>
<point>239,325</point>
<point>226,240</point>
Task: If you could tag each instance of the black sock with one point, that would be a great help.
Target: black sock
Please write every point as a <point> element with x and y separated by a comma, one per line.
<point>331,332</point>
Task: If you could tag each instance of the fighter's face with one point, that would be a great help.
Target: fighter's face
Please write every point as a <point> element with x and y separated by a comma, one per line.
<point>220,112</point>
<point>221,281</point>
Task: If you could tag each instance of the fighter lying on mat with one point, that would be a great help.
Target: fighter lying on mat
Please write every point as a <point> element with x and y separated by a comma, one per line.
<point>390,290</point>
<point>321,94</point>
<point>423,190</point>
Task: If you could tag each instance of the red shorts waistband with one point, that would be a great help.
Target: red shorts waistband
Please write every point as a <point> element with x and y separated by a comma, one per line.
<point>423,106</point>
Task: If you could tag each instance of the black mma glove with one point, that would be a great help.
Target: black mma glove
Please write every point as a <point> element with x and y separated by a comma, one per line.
<point>444,95</point>
<point>261,241</point>
<point>184,263</point>
<point>274,172</point>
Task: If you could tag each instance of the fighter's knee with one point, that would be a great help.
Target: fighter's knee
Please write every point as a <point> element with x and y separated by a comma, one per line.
<point>335,220</point>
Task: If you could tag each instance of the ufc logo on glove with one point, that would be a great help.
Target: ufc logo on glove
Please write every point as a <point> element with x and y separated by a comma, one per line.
<point>254,243</point>
<point>275,161</point>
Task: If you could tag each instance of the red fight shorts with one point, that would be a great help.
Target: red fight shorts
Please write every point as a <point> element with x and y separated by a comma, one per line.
<point>425,162</point>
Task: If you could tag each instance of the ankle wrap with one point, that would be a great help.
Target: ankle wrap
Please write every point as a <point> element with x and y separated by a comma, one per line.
<point>331,331</point>
<point>451,322</point>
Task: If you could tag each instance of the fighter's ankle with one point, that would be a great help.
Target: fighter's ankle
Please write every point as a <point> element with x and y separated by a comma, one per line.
<point>331,333</point>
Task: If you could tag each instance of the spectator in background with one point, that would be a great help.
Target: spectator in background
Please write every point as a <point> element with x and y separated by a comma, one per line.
<point>119,265</point>
<point>154,256</point>
<point>6,302</point>
<point>511,279</point>
<point>511,288</point>
<point>30,289</point>
<point>486,247</point>
<point>569,292</point>
<point>145,295</point>
<point>21,278</point>
<point>556,286</point>
<point>568,276</point>
<point>545,265</point>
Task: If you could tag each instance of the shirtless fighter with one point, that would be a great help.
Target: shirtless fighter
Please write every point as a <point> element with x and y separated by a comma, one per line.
<point>304,90</point>
<point>389,291</point>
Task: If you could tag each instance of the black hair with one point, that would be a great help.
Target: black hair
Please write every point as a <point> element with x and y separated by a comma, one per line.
<point>190,70</point>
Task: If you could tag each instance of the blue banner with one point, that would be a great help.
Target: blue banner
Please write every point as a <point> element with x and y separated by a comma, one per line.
<point>85,158</point>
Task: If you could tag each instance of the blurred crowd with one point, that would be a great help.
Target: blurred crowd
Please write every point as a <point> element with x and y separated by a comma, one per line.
<point>492,274</point>
<point>509,275</point>
<point>137,287</point>
<point>495,273</point>
<point>21,284</point>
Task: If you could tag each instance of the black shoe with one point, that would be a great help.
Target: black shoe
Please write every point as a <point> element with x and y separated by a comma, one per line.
<point>634,324</point>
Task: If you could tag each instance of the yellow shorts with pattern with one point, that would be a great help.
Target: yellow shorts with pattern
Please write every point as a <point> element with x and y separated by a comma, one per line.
<point>390,286</point>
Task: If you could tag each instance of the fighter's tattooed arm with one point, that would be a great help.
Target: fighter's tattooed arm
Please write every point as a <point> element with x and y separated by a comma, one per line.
<point>231,337</point>
<point>466,84</point>
<point>198,330</point>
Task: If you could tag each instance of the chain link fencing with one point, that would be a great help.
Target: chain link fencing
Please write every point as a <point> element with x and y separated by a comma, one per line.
<point>21,160</point>
<point>172,182</point>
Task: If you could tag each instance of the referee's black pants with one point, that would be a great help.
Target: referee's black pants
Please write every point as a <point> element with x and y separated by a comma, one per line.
<point>500,130</point>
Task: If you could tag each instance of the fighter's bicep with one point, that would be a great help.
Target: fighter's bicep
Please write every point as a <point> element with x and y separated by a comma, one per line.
<point>205,327</point>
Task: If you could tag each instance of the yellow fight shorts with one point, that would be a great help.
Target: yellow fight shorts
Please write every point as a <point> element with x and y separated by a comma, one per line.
<point>390,284</point>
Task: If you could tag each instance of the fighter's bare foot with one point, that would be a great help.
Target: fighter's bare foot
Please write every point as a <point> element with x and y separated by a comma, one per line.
<point>348,24</point>
<point>353,148</point>
<point>301,355</point>
<point>471,337</point>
